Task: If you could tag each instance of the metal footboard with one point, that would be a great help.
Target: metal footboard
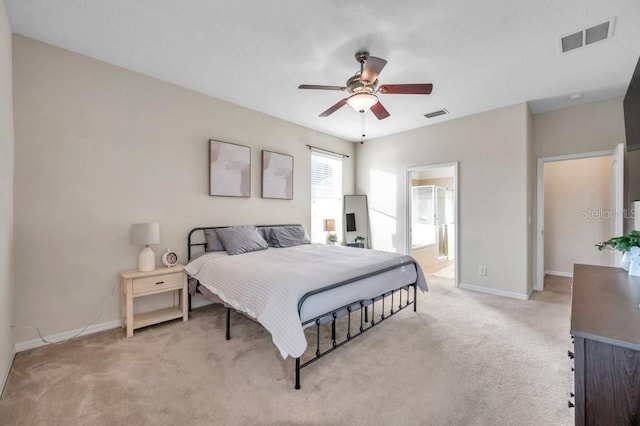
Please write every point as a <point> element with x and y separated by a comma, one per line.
<point>363,324</point>
<point>364,321</point>
<point>387,308</point>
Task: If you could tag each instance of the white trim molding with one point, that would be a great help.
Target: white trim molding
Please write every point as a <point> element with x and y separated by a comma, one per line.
<point>559,273</point>
<point>5,374</point>
<point>495,292</point>
<point>96,328</point>
<point>66,335</point>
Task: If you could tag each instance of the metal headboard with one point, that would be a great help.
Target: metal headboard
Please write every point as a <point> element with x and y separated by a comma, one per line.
<point>199,232</point>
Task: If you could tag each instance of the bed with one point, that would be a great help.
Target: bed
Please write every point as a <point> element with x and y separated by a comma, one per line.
<point>277,278</point>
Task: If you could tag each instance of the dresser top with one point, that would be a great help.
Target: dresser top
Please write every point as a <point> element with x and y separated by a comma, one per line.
<point>605,305</point>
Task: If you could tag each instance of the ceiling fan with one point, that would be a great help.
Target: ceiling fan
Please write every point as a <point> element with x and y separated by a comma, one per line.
<point>363,87</point>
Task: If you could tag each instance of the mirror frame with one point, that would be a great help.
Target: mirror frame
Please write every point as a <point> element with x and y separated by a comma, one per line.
<point>365,214</point>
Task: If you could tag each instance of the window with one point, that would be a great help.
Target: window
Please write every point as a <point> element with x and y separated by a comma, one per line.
<point>326,194</point>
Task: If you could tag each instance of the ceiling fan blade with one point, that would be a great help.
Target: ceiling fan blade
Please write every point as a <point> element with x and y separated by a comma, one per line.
<point>406,89</point>
<point>379,111</point>
<point>372,68</point>
<point>334,108</point>
<point>319,87</point>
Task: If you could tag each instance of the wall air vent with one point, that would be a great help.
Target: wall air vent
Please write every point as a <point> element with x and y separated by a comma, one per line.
<point>587,36</point>
<point>436,113</point>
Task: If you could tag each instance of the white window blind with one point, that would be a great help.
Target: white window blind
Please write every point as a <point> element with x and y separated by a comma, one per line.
<point>326,194</point>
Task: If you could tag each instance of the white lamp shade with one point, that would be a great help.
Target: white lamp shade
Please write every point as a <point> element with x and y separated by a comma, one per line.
<point>144,234</point>
<point>362,102</point>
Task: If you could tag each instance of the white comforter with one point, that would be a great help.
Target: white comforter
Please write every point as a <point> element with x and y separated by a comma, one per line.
<point>268,284</point>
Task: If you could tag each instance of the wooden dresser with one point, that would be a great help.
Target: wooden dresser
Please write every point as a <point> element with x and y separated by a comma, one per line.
<point>605,324</point>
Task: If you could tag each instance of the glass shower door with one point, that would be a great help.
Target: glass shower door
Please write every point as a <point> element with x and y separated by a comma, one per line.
<point>422,216</point>
<point>441,220</point>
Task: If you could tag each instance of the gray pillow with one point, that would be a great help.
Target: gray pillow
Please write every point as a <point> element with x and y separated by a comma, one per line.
<point>266,234</point>
<point>289,236</point>
<point>212,240</point>
<point>241,239</point>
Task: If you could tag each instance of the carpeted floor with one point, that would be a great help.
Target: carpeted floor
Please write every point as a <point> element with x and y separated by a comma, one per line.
<point>463,359</point>
<point>448,271</point>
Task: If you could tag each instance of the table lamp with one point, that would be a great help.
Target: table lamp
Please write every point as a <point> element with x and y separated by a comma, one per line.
<point>329,227</point>
<point>145,234</point>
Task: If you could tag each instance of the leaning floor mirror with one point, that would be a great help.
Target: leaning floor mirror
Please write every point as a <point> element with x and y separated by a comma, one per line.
<point>356,221</point>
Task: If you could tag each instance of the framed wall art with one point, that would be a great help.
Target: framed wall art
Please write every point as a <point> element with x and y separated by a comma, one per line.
<point>229,169</point>
<point>277,175</point>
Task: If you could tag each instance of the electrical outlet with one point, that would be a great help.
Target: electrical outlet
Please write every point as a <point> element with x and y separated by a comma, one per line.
<point>482,270</point>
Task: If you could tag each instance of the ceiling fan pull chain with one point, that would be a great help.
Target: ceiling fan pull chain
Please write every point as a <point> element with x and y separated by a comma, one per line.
<point>362,128</point>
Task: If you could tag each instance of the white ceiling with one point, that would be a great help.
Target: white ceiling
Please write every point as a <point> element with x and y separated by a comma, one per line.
<point>479,54</point>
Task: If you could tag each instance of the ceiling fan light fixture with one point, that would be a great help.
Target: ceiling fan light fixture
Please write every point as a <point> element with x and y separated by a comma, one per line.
<point>362,102</point>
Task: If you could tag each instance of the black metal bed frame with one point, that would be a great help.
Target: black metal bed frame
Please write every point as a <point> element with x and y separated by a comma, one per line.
<point>386,310</point>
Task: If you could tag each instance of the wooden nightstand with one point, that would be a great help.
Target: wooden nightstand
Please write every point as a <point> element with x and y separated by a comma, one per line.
<point>137,284</point>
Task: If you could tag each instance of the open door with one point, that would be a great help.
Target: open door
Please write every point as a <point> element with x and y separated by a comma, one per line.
<point>617,198</point>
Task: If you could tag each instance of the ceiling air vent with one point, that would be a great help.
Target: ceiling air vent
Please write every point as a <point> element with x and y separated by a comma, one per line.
<point>436,113</point>
<point>596,33</point>
<point>587,36</point>
<point>572,41</point>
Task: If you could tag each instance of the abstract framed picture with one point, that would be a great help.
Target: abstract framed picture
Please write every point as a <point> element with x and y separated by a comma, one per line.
<point>229,169</point>
<point>277,175</point>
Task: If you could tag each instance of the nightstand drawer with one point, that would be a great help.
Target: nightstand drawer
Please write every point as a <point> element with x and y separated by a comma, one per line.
<point>160,282</point>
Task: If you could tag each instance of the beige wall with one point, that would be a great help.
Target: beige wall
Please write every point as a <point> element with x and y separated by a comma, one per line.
<point>590,127</point>
<point>575,193</point>
<point>491,149</point>
<point>99,148</point>
<point>6,196</point>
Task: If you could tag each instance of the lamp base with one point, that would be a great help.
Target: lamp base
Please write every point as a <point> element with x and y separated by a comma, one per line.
<point>146,260</point>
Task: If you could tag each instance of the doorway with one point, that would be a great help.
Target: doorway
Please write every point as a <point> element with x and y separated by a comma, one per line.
<point>432,219</point>
<point>579,203</point>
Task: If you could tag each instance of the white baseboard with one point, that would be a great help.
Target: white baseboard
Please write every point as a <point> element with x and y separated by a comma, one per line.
<point>559,273</point>
<point>5,373</point>
<point>495,292</point>
<point>196,302</point>
<point>59,337</point>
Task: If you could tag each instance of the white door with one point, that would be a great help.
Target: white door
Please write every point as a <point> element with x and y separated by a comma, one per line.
<point>617,199</point>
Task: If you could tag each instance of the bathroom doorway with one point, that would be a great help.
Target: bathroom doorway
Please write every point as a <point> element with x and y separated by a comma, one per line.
<point>432,219</point>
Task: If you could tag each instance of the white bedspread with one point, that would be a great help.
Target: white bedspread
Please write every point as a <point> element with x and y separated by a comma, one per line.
<point>268,284</point>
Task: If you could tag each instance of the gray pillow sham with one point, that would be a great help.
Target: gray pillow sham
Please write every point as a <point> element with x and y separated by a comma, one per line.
<point>241,239</point>
<point>266,234</point>
<point>288,236</point>
<point>212,240</point>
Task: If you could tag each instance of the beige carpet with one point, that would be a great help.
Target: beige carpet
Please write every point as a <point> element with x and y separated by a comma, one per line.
<point>447,272</point>
<point>464,359</point>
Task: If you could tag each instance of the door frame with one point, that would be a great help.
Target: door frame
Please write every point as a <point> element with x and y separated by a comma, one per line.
<point>456,225</point>
<point>617,178</point>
